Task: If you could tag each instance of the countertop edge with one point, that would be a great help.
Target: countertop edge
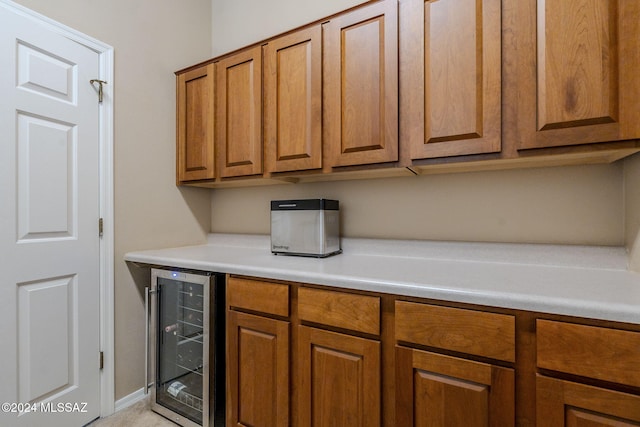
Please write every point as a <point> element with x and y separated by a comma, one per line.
<point>259,262</point>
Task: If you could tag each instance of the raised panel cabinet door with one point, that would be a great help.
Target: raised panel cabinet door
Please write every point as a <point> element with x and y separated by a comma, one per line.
<point>293,101</point>
<point>195,146</point>
<point>562,403</point>
<point>450,77</point>
<point>435,390</point>
<point>239,113</point>
<point>585,86</point>
<point>258,370</point>
<point>360,55</point>
<point>339,379</point>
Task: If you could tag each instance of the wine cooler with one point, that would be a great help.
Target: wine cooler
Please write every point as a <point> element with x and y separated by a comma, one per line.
<point>185,312</point>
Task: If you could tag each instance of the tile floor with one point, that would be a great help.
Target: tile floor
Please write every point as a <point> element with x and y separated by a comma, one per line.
<point>137,415</point>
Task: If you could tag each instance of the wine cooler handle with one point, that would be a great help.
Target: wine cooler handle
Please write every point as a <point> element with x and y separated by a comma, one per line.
<point>147,294</point>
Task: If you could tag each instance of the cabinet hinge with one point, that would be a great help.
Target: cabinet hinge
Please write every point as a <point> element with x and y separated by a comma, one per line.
<point>100,227</point>
<point>102,360</point>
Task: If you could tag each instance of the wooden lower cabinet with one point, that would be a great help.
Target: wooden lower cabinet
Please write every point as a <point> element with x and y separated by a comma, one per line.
<point>257,371</point>
<point>563,403</point>
<point>339,378</point>
<point>304,356</point>
<point>435,390</point>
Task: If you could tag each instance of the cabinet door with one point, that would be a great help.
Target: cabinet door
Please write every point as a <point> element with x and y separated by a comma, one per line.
<point>434,390</point>
<point>339,379</point>
<point>195,149</point>
<point>563,403</point>
<point>239,113</point>
<point>450,77</point>
<point>361,85</point>
<point>585,87</point>
<point>293,101</point>
<point>258,369</point>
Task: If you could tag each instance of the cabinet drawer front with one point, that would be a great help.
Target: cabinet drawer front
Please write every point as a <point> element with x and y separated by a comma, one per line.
<point>467,331</point>
<point>340,309</point>
<point>256,295</point>
<point>596,352</point>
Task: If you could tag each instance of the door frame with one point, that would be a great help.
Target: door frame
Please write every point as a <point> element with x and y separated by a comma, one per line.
<point>106,133</point>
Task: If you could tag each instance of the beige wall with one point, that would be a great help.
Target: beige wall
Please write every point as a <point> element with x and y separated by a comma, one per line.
<point>239,23</point>
<point>573,205</point>
<point>152,39</point>
<point>632,209</point>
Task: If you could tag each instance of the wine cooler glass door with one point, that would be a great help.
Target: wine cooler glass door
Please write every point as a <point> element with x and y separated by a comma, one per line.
<point>182,340</point>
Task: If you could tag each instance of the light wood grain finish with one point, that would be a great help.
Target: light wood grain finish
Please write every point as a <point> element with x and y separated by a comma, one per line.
<point>466,331</point>
<point>450,76</point>
<point>361,85</point>
<point>239,113</point>
<point>258,371</point>
<point>577,63</point>
<point>256,295</point>
<point>595,352</point>
<point>339,379</point>
<point>567,404</point>
<point>359,313</point>
<point>582,89</point>
<point>293,101</point>
<point>195,144</point>
<point>437,390</point>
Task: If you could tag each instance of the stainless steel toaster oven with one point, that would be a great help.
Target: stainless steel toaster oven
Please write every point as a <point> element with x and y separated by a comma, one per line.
<point>309,227</point>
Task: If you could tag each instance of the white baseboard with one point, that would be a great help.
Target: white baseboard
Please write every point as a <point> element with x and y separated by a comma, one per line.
<point>130,399</point>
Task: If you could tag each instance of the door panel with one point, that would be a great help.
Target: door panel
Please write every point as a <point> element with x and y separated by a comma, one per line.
<point>577,63</point>
<point>48,359</point>
<point>450,85</point>
<point>562,403</point>
<point>435,390</point>
<point>258,371</point>
<point>46,179</point>
<point>439,400</point>
<point>239,113</point>
<point>49,158</point>
<point>44,73</point>
<point>339,379</point>
<point>577,83</point>
<point>361,85</point>
<point>293,101</point>
<point>195,92</point>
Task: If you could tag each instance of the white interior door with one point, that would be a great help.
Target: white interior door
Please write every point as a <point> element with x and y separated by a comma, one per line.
<point>49,240</point>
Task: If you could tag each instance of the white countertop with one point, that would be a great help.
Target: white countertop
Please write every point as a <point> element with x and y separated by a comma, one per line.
<point>584,281</point>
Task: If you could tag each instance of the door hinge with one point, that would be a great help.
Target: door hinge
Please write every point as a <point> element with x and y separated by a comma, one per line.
<point>100,227</point>
<point>101,359</point>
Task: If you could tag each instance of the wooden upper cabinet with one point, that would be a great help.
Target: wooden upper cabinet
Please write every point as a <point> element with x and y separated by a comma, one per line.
<point>584,86</point>
<point>361,85</point>
<point>195,147</point>
<point>239,113</point>
<point>450,77</point>
<point>293,101</point>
